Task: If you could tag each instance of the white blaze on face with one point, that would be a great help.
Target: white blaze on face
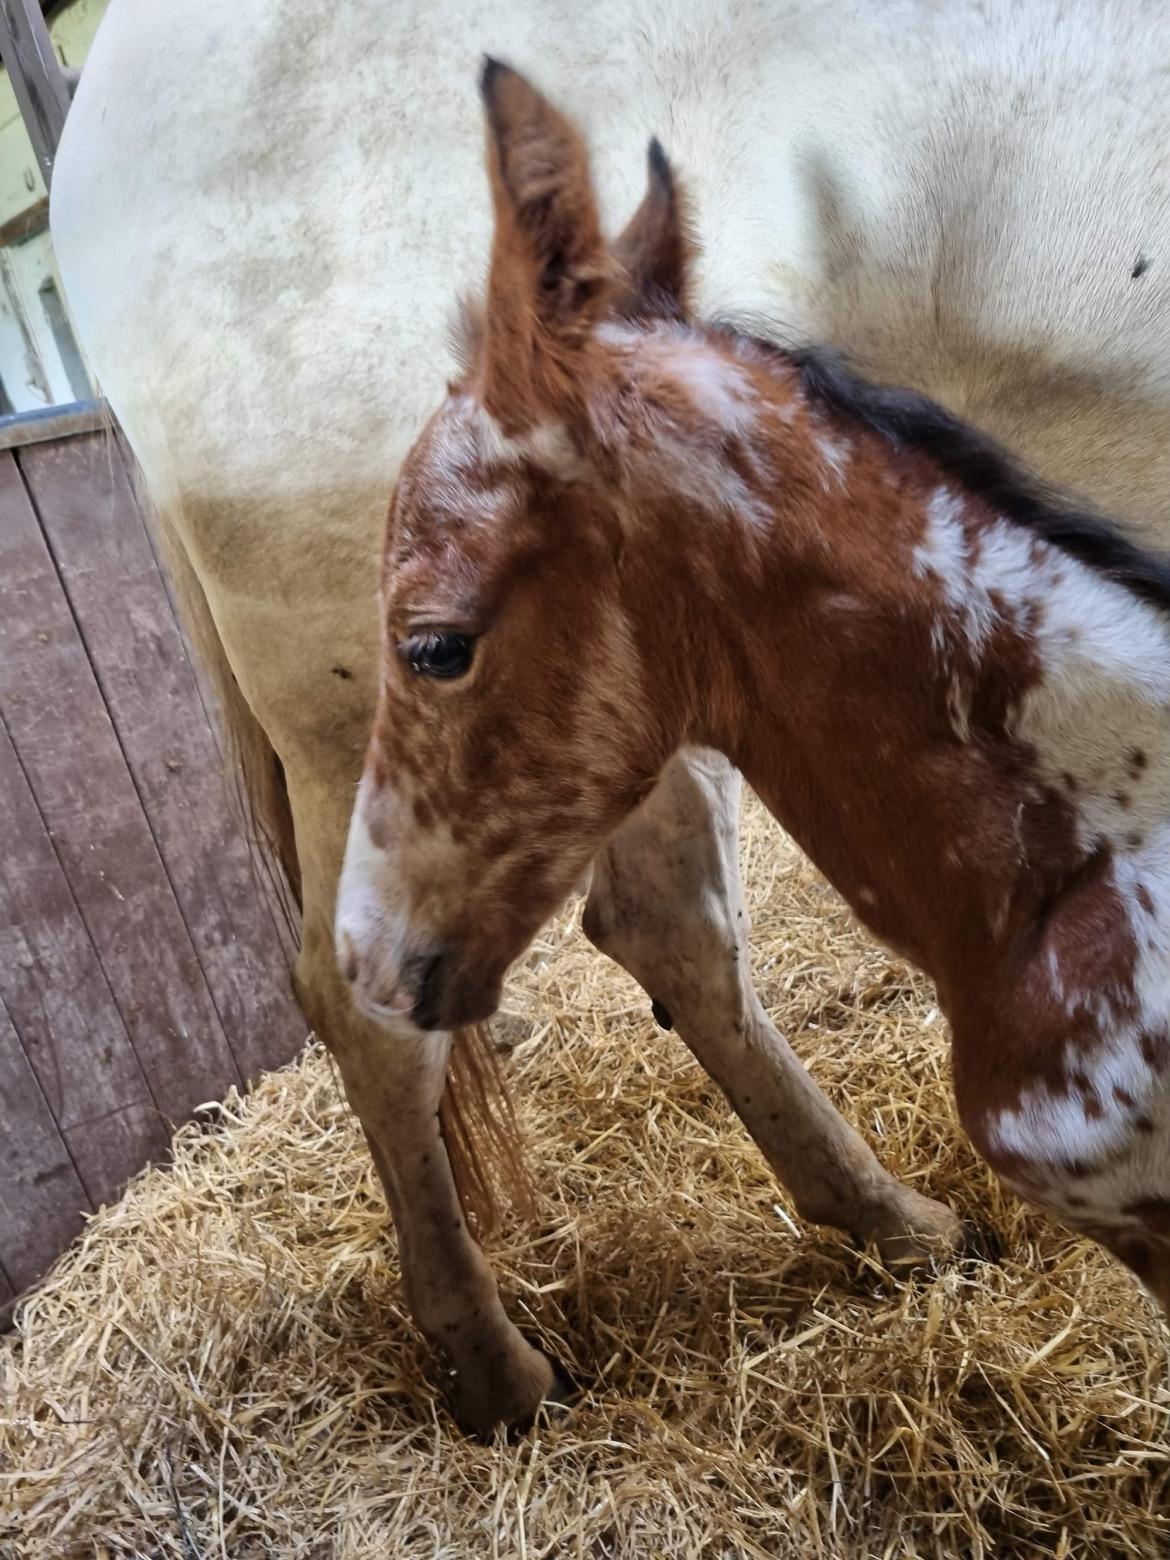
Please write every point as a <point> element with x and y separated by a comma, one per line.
<point>372,927</point>
<point>386,905</point>
<point>360,920</point>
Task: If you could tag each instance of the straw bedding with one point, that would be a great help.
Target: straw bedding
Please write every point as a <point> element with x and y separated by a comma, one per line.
<point>221,1366</point>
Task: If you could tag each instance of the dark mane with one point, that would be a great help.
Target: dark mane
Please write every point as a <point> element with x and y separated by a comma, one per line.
<point>976,463</point>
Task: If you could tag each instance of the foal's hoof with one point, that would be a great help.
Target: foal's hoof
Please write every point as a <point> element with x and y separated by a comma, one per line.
<point>485,1402</point>
<point>560,1398</point>
<point>918,1233</point>
<point>982,1244</point>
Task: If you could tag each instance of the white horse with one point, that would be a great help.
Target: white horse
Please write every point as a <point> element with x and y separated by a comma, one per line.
<point>248,205</point>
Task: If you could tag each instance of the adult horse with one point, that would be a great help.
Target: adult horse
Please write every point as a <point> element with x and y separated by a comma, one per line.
<point>261,214</point>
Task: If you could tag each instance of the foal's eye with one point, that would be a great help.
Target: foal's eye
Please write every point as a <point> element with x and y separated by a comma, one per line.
<point>437,653</point>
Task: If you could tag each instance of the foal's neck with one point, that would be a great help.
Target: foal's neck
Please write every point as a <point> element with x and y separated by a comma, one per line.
<point>948,711</point>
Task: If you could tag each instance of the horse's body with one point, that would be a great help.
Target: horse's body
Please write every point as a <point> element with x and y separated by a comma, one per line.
<point>262,216</point>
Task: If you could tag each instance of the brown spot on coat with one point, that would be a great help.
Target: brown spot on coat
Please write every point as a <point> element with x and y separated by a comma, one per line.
<point>424,813</point>
<point>1154,1050</point>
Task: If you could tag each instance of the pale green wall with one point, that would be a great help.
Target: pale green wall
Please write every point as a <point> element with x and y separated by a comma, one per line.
<point>72,30</point>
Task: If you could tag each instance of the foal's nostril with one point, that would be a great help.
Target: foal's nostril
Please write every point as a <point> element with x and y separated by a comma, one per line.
<point>428,985</point>
<point>416,989</point>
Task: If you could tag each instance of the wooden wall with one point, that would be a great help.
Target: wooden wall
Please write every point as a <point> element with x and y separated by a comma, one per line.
<point>143,961</point>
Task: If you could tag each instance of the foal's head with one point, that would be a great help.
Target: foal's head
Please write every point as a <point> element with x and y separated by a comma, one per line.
<point>527,703</point>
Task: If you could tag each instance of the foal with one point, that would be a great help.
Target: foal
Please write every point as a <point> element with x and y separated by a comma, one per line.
<point>624,534</point>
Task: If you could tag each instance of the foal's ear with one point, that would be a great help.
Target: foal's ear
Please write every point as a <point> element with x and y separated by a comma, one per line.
<point>550,276</point>
<point>656,248</point>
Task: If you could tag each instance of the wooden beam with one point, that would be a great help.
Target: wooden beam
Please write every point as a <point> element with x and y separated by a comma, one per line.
<point>42,92</point>
<point>25,223</point>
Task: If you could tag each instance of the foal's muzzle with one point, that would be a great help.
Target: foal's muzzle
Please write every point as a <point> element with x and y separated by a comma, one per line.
<point>397,968</point>
<point>423,991</point>
<point>385,988</point>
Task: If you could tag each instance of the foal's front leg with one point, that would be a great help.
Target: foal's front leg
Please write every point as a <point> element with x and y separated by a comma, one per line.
<point>394,1082</point>
<point>667,904</point>
<point>395,1086</point>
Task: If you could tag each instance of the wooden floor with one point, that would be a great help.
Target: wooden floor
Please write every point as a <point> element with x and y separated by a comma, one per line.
<point>143,960</point>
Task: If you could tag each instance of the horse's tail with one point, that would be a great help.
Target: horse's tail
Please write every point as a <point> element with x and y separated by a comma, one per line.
<point>476,1117</point>
<point>481,1134</point>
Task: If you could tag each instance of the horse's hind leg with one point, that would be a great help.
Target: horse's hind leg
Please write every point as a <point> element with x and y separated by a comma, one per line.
<point>667,904</point>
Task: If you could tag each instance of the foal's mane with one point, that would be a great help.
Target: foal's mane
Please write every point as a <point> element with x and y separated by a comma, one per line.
<point>976,463</point>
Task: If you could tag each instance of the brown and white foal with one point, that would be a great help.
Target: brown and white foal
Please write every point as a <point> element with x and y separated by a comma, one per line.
<point>625,534</point>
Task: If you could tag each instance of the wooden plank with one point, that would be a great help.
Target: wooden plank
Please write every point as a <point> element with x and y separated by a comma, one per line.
<point>39,85</point>
<point>52,422</point>
<point>8,1299</point>
<point>56,995</point>
<point>98,538</point>
<point>267,879</point>
<point>273,887</point>
<point>42,1201</point>
<point>51,704</point>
